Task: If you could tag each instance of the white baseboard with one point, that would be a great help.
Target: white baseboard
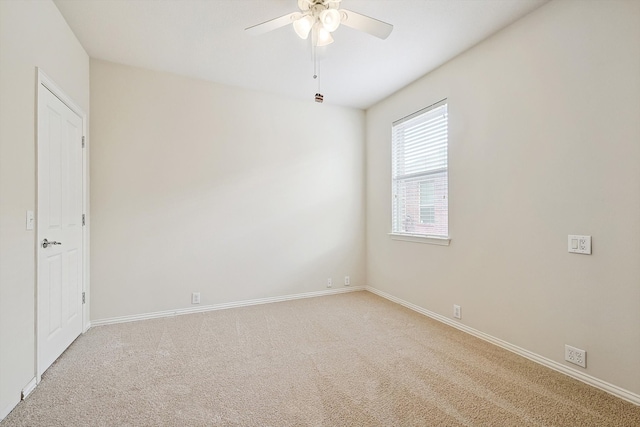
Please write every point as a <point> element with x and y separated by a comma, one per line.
<point>573,373</point>
<point>222,306</point>
<point>26,391</point>
<point>7,409</point>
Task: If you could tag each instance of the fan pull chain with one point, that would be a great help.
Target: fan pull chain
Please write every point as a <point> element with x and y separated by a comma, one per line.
<point>315,61</point>
<point>319,97</point>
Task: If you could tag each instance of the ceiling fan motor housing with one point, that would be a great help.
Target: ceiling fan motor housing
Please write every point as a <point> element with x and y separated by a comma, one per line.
<point>324,4</point>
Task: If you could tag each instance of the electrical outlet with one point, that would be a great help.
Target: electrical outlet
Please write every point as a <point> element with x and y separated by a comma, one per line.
<point>347,281</point>
<point>457,312</point>
<point>575,356</point>
<point>329,282</point>
<point>195,298</point>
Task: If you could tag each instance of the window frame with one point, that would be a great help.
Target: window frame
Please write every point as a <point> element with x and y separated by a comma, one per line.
<point>423,176</point>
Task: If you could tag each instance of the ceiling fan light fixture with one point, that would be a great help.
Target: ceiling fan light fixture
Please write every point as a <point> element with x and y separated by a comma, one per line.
<point>330,19</point>
<point>322,36</point>
<point>303,26</point>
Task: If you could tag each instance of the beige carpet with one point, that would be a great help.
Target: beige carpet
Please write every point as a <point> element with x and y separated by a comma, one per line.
<point>345,360</point>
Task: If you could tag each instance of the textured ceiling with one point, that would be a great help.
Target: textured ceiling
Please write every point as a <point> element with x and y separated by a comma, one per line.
<point>206,39</point>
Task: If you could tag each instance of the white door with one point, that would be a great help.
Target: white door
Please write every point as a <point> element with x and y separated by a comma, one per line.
<point>60,192</point>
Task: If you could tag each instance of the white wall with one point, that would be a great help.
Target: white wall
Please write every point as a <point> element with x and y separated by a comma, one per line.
<point>201,187</point>
<point>544,142</point>
<point>32,33</point>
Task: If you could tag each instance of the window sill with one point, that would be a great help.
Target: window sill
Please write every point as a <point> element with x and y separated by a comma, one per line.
<point>417,238</point>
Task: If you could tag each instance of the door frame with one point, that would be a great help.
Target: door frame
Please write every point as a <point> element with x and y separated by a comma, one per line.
<point>43,80</point>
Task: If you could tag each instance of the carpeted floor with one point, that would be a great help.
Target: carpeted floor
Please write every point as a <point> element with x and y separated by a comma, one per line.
<point>346,360</point>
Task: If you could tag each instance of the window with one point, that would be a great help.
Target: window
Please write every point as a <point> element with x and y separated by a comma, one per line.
<point>419,173</point>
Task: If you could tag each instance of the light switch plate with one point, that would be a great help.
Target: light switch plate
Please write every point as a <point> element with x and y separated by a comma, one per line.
<point>579,244</point>
<point>31,220</point>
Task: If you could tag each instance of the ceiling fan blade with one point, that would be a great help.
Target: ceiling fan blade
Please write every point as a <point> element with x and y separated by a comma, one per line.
<point>273,24</point>
<point>364,23</point>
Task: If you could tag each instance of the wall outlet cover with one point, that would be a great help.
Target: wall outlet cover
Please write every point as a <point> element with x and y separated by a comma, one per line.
<point>579,244</point>
<point>195,298</point>
<point>575,355</point>
<point>457,311</point>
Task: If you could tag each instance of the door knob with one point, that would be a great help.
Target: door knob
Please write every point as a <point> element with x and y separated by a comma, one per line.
<point>46,243</point>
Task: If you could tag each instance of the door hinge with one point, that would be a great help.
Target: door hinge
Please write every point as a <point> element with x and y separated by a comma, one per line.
<point>83,220</point>
<point>83,300</point>
<point>82,141</point>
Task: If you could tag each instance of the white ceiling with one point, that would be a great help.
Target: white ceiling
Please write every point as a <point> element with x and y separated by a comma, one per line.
<point>205,39</point>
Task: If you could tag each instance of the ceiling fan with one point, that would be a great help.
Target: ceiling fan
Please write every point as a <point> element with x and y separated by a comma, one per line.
<point>320,18</point>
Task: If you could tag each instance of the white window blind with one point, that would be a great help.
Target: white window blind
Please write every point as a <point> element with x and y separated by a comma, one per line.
<point>419,169</point>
